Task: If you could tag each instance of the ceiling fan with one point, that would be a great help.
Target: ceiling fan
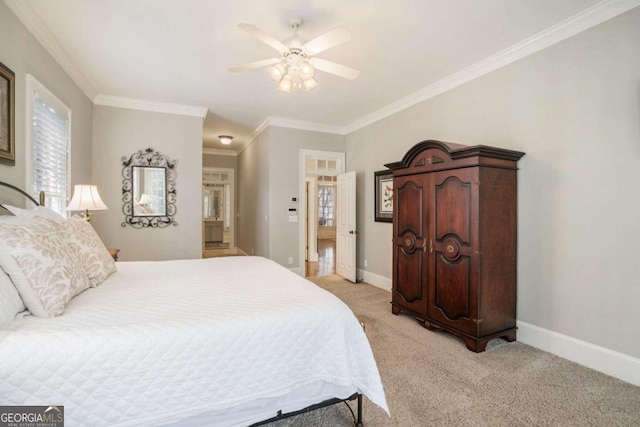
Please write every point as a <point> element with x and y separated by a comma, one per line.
<point>296,67</point>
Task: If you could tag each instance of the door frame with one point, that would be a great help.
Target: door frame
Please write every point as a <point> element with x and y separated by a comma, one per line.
<point>311,217</point>
<point>232,212</point>
<point>339,157</point>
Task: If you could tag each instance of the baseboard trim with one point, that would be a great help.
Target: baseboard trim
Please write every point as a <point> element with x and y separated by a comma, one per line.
<point>601,359</point>
<point>374,279</point>
<point>616,364</point>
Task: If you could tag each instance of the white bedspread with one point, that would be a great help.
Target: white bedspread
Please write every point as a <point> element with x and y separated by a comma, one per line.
<point>158,342</point>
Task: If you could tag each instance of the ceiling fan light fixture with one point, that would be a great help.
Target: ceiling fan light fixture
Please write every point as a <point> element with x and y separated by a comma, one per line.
<point>225,139</point>
<point>296,67</point>
<point>309,84</point>
<point>285,84</point>
<point>307,71</point>
<point>277,71</point>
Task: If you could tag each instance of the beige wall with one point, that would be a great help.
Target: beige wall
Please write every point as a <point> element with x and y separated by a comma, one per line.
<point>119,133</point>
<point>284,180</point>
<point>253,197</point>
<point>574,109</point>
<point>215,161</point>
<point>269,175</point>
<point>23,54</point>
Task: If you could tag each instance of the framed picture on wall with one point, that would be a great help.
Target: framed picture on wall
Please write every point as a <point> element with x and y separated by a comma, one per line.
<point>383,196</point>
<point>7,111</point>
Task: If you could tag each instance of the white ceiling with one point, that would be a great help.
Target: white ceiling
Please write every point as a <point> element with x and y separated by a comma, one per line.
<point>179,51</point>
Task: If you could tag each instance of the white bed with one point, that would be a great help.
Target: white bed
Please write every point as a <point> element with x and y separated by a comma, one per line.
<point>223,341</point>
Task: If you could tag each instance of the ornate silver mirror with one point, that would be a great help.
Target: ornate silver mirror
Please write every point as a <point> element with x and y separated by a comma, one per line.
<point>148,189</point>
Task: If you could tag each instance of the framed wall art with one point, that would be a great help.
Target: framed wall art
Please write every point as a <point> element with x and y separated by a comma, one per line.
<point>383,196</point>
<point>7,116</point>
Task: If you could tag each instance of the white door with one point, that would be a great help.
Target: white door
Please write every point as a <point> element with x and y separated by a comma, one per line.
<point>346,226</point>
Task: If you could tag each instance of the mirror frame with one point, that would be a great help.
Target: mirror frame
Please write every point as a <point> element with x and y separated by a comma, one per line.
<point>148,158</point>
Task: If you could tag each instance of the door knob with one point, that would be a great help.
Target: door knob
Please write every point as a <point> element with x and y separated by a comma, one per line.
<point>352,232</point>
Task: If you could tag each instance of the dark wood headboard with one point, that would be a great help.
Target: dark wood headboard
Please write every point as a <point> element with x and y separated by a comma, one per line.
<point>39,202</point>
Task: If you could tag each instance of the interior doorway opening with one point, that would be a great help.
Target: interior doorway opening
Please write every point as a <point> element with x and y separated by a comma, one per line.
<point>319,170</point>
<point>218,211</point>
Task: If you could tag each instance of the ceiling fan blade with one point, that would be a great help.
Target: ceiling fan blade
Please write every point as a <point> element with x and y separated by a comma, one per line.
<point>255,64</point>
<point>327,41</point>
<point>334,68</point>
<point>261,35</point>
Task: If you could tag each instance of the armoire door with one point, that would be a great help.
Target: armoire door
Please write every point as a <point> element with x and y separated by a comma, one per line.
<point>453,265</point>
<point>410,243</point>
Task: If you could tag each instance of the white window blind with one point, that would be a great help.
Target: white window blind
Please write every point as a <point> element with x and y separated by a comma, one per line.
<point>50,135</point>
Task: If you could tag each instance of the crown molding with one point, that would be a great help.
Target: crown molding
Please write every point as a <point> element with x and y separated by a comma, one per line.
<point>256,133</point>
<point>584,20</point>
<point>158,107</point>
<point>219,152</point>
<point>292,124</point>
<point>33,23</point>
<point>304,125</point>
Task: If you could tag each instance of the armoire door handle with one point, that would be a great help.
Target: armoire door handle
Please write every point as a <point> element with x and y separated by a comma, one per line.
<point>430,246</point>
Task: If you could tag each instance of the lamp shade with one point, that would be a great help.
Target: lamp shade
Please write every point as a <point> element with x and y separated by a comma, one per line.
<point>86,198</point>
<point>145,199</point>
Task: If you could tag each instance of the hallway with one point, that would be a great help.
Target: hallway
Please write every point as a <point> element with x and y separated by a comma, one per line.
<point>326,264</point>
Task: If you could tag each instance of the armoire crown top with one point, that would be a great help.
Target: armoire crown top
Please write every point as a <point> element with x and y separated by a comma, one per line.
<point>455,152</point>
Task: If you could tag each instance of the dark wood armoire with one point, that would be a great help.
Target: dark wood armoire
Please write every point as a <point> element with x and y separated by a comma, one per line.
<point>455,239</point>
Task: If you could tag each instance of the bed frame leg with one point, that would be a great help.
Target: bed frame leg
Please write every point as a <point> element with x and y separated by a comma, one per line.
<point>359,417</point>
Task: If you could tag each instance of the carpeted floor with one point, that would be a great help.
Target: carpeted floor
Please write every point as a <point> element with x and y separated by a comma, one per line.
<point>431,379</point>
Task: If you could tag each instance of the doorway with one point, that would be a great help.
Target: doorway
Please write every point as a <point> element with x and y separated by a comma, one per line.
<point>218,237</point>
<point>321,213</point>
<point>318,170</point>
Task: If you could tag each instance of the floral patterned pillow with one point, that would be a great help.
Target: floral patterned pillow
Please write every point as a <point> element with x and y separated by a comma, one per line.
<point>95,259</point>
<point>36,256</point>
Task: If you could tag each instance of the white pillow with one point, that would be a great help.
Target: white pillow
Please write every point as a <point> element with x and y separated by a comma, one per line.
<point>92,254</point>
<point>10,301</point>
<point>36,256</point>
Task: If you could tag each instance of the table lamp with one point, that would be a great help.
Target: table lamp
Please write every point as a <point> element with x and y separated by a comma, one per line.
<point>86,198</point>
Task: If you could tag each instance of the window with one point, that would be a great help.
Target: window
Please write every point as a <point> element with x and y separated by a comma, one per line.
<point>325,206</point>
<point>48,135</point>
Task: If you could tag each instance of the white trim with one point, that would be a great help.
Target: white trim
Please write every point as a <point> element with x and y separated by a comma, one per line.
<point>218,152</point>
<point>374,279</point>
<point>584,20</point>
<point>601,359</point>
<point>256,133</point>
<point>610,362</point>
<point>144,105</point>
<point>285,122</point>
<point>34,24</point>
<point>311,240</point>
